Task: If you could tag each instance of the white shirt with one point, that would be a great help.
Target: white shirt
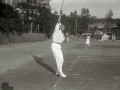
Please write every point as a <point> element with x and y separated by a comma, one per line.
<point>88,40</point>
<point>58,35</point>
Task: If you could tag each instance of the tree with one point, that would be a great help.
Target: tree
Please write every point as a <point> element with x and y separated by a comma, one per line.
<point>65,21</point>
<point>72,15</point>
<point>85,15</point>
<point>73,22</point>
<point>38,14</point>
<point>109,14</point>
<point>55,12</point>
<point>93,19</point>
<point>75,16</point>
<point>45,20</point>
<point>108,18</point>
<point>9,20</point>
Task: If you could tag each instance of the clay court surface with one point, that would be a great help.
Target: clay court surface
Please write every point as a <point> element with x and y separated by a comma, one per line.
<point>32,66</point>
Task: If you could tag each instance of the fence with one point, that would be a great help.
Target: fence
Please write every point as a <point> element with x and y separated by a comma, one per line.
<point>26,37</point>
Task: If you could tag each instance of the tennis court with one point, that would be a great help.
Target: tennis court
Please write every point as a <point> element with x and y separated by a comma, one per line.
<point>94,68</point>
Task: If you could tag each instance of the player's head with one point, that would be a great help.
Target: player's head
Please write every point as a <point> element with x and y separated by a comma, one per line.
<point>62,27</point>
<point>88,36</point>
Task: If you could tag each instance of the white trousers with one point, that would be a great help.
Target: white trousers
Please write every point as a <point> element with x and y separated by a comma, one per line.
<point>58,55</point>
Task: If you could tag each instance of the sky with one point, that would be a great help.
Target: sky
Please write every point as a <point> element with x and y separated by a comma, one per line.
<point>97,8</point>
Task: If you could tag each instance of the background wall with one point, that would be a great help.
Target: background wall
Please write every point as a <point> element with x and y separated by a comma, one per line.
<point>26,37</point>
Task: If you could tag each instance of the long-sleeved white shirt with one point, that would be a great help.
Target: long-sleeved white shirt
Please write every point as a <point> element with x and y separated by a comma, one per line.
<point>58,35</point>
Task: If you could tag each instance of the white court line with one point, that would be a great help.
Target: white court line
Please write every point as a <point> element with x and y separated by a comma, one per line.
<point>73,63</point>
<point>74,74</point>
<point>57,83</point>
<point>97,60</point>
<point>102,57</point>
<point>72,66</point>
<point>68,70</point>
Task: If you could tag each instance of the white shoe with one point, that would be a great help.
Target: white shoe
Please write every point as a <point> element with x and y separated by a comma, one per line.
<point>62,75</point>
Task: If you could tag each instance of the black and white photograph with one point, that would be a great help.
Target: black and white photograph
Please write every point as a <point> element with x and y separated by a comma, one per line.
<point>59,44</point>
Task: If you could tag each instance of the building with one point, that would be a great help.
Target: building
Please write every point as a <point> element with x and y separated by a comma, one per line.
<point>98,25</point>
<point>113,29</point>
<point>93,25</point>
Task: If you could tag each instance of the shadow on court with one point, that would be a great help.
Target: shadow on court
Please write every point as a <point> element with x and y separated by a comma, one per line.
<point>40,61</point>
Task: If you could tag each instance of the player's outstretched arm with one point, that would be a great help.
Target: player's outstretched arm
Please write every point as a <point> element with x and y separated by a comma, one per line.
<point>59,19</point>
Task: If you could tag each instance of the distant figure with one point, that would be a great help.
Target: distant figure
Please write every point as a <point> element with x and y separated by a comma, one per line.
<point>67,36</point>
<point>102,39</point>
<point>88,41</point>
<point>113,37</point>
<point>7,42</point>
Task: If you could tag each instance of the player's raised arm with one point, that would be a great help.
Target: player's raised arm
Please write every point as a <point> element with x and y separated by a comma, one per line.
<point>59,19</point>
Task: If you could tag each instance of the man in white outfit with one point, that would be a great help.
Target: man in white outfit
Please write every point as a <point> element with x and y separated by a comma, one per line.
<point>58,38</point>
